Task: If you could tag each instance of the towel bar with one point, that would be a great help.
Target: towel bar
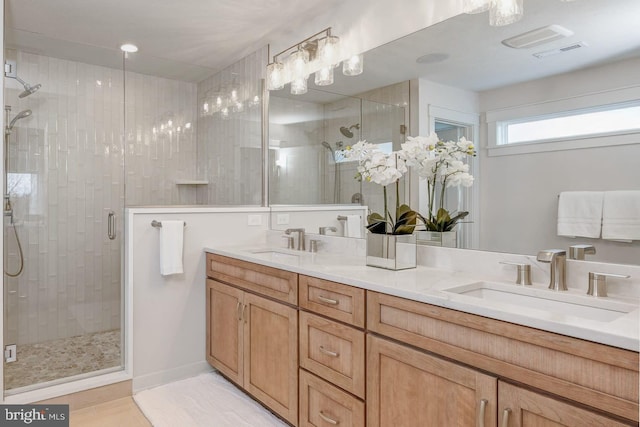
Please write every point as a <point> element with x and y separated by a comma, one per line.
<point>158,224</point>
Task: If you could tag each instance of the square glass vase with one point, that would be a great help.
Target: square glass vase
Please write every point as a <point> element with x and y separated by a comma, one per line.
<point>446,239</point>
<point>391,251</point>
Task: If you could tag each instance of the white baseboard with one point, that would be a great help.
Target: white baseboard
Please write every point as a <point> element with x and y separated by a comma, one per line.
<point>156,379</point>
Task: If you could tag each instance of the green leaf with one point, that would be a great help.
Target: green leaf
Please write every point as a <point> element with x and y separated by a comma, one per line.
<point>376,223</point>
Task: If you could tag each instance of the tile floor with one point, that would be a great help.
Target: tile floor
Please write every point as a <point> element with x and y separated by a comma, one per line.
<point>63,358</point>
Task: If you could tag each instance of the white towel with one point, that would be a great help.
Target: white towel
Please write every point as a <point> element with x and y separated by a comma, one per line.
<point>621,215</point>
<point>353,226</point>
<point>171,242</point>
<point>580,213</point>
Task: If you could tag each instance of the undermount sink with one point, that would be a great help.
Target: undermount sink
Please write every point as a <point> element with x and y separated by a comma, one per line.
<point>557,303</point>
<point>275,255</point>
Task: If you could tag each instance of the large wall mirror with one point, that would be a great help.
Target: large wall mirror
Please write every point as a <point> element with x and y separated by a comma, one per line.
<point>460,66</point>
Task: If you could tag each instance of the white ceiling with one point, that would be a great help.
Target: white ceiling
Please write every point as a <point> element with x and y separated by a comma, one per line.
<point>191,39</point>
<point>195,36</point>
<point>472,56</point>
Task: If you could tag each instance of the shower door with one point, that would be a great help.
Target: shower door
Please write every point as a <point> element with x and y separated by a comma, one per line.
<point>63,220</point>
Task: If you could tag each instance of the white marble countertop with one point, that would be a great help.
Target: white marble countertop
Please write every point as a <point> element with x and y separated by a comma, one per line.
<point>428,285</point>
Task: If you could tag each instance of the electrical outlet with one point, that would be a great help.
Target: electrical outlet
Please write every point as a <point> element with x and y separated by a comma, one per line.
<point>282,219</point>
<point>254,220</point>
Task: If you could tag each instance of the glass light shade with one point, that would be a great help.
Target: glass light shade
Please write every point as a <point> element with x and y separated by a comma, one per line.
<point>353,66</point>
<point>275,76</point>
<point>505,12</point>
<point>476,6</point>
<point>324,76</point>
<point>299,86</point>
<point>298,61</point>
<point>329,51</point>
<point>237,107</point>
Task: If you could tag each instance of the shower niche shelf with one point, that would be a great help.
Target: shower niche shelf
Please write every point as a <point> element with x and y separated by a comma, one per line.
<point>191,182</point>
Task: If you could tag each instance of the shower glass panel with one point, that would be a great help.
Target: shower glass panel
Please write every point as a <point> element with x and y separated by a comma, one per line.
<point>63,210</point>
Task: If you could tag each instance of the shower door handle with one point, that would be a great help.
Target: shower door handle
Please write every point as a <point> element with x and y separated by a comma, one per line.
<point>111,225</point>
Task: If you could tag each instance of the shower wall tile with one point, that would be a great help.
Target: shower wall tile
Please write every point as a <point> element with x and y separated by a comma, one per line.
<point>69,162</point>
<point>230,141</point>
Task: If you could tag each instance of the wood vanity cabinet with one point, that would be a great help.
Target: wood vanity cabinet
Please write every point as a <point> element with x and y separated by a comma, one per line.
<point>519,407</point>
<point>253,341</point>
<point>567,374</point>
<point>332,354</point>
<point>410,388</point>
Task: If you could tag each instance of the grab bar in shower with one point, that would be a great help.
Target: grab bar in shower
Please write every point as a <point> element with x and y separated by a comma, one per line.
<point>158,224</point>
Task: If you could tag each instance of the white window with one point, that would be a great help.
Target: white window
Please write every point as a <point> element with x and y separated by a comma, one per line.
<point>589,122</point>
<point>601,119</point>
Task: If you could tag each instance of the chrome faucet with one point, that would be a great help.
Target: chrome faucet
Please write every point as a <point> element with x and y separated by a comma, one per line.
<point>323,230</point>
<point>557,259</point>
<point>300,232</point>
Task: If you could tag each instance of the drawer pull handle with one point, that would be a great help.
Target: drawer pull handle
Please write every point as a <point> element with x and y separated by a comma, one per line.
<point>505,417</point>
<point>483,408</point>
<point>328,300</point>
<point>329,420</point>
<point>329,352</point>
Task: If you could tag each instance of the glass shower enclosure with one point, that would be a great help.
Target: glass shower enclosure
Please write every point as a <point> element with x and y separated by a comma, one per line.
<point>63,210</point>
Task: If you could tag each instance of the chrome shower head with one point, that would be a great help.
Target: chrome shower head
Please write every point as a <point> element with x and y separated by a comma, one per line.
<point>21,115</point>
<point>28,89</point>
<point>346,131</point>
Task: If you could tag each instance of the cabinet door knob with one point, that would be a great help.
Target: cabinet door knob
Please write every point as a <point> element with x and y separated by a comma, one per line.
<point>483,408</point>
<point>505,417</point>
<point>329,420</point>
<point>329,352</point>
<point>328,300</point>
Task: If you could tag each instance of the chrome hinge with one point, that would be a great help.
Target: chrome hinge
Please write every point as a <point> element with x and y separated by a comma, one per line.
<point>10,353</point>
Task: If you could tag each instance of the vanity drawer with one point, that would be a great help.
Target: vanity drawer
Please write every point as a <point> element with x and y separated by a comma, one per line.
<point>271,282</point>
<point>594,374</point>
<point>322,404</point>
<point>334,351</point>
<point>341,302</point>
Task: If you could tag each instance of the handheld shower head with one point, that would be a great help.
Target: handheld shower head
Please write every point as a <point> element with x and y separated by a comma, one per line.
<point>21,115</point>
<point>346,131</point>
<point>326,145</point>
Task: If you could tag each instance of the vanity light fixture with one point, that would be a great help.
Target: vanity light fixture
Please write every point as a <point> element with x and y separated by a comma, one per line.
<point>501,12</point>
<point>505,12</point>
<point>320,54</point>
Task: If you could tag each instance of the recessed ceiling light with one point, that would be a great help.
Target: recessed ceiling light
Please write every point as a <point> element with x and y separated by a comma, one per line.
<point>129,48</point>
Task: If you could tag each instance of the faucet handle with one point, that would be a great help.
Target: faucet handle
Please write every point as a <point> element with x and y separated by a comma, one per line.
<point>579,251</point>
<point>524,272</point>
<point>598,283</point>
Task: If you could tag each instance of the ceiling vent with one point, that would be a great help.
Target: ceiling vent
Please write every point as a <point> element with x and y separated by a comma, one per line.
<point>569,48</point>
<point>537,37</point>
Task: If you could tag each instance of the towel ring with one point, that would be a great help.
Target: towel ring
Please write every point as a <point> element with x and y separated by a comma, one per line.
<point>158,224</point>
